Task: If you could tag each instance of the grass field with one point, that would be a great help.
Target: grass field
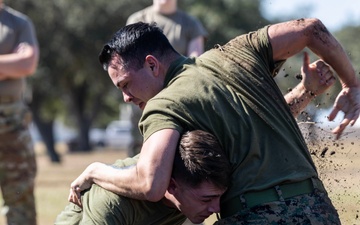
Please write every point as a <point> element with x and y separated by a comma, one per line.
<point>339,167</point>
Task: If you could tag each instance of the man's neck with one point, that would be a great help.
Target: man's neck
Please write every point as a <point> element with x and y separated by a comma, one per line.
<point>167,7</point>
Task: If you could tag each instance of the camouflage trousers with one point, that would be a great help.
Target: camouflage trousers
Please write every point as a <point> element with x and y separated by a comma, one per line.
<point>17,175</point>
<point>315,208</point>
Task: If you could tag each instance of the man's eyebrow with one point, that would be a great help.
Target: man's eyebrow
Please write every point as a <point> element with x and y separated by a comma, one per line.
<point>211,196</point>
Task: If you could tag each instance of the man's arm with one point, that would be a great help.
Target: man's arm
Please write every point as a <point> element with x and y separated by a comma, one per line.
<point>196,47</point>
<point>317,77</point>
<point>291,37</point>
<point>22,62</point>
<point>148,180</point>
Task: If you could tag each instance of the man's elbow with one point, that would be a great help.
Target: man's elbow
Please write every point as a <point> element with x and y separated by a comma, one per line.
<point>29,70</point>
<point>314,27</point>
<point>29,66</point>
<point>153,192</point>
<point>30,60</point>
<point>26,70</point>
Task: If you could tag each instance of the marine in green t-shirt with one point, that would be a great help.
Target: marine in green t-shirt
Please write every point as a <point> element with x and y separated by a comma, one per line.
<point>230,92</point>
<point>201,174</point>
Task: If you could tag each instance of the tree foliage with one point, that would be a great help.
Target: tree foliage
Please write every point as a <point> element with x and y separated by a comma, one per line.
<point>225,19</point>
<point>348,37</point>
<point>70,83</point>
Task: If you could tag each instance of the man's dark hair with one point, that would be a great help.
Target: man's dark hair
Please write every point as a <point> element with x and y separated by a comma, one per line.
<point>133,43</point>
<point>200,158</point>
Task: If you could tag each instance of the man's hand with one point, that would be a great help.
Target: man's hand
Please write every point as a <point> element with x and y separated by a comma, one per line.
<point>75,196</point>
<point>317,76</point>
<point>348,101</point>
<point>80,184</point>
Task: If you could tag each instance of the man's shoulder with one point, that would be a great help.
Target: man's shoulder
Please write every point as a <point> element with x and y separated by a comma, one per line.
<point>141,15</point>
<point>185,15</point>
<point>10,12</point>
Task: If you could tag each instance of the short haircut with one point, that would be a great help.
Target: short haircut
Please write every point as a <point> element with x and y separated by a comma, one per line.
<point>133,43</point>
<point>200,158</point>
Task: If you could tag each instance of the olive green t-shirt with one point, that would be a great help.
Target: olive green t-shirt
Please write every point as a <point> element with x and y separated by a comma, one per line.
<point>230,92</point>
<point>125,211</point>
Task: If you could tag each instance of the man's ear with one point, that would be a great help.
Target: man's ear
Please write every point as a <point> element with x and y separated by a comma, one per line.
<point>152,63</point>
<point>172,186</point>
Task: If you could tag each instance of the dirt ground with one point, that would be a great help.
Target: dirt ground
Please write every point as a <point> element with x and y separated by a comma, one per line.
<point>338,163</point>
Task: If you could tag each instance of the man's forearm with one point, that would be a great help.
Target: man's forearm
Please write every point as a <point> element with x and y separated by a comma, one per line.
<point>113,179</point>
<point>298,99</point>
<point>147,180</point>
<point>19,64</point>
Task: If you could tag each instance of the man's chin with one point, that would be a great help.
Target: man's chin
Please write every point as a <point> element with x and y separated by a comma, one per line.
<point>197,220</point>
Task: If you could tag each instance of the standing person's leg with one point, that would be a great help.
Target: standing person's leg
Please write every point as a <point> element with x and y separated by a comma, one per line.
<point>17,172</point>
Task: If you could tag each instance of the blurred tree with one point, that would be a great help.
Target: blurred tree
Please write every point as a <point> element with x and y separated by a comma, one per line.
<point>348,37</point>
<point>70,84</point>
<point>225,19</point>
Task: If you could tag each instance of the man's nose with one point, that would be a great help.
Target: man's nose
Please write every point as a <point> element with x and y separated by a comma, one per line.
<point>127,97</point>
<point>215,206</point>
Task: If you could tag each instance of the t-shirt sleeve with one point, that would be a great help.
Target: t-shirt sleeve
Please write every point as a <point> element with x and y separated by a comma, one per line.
<point>132,19</point>
<point>266,51</point>
<point>127,162</point>
<point>139,16</point>
<point>27,31</point>
<point>196,29</point>
<point>159,115</point>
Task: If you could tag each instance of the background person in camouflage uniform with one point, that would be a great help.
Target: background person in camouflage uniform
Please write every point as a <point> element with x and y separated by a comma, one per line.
<point>18,58</point>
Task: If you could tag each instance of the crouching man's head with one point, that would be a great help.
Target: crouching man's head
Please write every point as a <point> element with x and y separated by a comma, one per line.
<point>201,174</point>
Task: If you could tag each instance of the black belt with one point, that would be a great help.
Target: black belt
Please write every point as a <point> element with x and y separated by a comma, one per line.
<point>251,199</point>
<point>8,99</point>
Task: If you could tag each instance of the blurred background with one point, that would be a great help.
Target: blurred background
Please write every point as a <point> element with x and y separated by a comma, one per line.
<point>73,100</point>
<point>77,110</point>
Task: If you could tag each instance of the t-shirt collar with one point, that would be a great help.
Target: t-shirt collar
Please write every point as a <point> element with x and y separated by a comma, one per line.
<point>174,68</point>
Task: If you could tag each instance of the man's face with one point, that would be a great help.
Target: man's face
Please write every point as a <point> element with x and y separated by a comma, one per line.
<point>137,86</point>
<point>199,203</point>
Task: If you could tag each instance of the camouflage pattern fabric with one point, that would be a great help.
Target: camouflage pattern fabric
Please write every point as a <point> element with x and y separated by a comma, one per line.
<point>13,116</point>
<point>17,171</point>
<point>314,208</point>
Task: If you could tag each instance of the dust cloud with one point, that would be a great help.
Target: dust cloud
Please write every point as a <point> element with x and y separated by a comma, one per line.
<point>338,164</point>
